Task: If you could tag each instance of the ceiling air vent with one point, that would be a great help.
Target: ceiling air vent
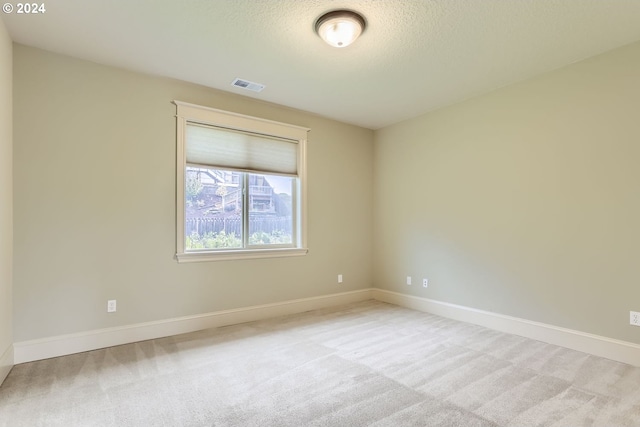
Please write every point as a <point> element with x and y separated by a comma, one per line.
<point>245,84</point>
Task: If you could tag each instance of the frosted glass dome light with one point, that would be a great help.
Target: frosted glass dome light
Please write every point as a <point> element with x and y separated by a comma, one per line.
<point>340,28</point>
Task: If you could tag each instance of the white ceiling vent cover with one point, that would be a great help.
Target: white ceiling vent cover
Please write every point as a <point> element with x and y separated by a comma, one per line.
<point>245,84</point>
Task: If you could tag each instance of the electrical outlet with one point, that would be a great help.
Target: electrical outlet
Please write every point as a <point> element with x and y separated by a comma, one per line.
<point>425,283</point>
<point>408,280</point>
<point>339,278</point>
<point>634,318</point>
<point>111,306</point>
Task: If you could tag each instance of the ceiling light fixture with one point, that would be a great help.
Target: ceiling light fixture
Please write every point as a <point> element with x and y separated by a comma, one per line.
<point>340,28</point>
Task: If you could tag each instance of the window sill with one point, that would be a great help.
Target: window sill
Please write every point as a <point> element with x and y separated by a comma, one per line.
<point>239,254</point>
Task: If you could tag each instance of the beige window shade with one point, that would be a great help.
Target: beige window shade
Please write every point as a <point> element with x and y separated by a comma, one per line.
<point>230,149</point>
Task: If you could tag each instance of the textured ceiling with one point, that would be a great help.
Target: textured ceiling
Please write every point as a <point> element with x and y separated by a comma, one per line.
<point>415,55</point>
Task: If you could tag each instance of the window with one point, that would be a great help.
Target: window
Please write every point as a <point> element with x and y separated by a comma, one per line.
<point>240,186</point>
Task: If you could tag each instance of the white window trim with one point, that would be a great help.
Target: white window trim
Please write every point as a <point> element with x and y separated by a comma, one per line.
<point>210,116</point>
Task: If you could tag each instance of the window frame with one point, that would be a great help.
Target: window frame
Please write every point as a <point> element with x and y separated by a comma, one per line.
<point>191,113</point>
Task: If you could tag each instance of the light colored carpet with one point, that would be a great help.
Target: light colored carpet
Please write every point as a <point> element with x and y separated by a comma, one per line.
<point>369,363</point>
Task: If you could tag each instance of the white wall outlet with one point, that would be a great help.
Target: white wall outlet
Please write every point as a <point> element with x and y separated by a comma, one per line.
<point>111,306</point>
<point>339,278</point>
<point>634,318</point>
<point>408,280</point>
<point>425,283</point>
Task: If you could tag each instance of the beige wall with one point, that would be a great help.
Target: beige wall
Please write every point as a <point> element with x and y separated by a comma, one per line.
<point>6,200</point>
<point>525,201</point>
<point>94,177</point>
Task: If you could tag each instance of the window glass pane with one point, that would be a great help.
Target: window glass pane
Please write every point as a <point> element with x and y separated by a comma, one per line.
<point>213,209</point>
<point>270,209</point>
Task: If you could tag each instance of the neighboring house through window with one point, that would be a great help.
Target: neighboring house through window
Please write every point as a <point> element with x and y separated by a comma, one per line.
<point>240,186</point>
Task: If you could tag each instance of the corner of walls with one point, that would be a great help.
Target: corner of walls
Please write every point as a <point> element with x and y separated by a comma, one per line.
<point>6,203</point>
<point>6,363</point>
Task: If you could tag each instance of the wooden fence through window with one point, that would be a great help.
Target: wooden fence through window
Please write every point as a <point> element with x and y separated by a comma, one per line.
<point>233,225</point>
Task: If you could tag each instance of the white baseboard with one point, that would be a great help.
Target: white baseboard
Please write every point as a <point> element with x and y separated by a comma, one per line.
<point>621,351</point>
<point>6,363</point>
<point>28,351</point>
